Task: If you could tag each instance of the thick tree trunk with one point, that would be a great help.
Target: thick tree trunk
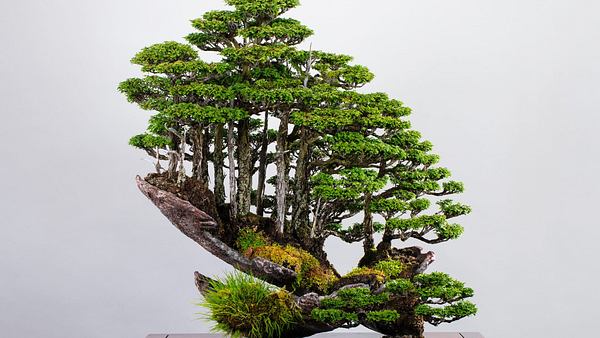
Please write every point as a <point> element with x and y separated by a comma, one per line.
<point>282,171</point>
<point>232,176</point>
<point>218,162</point>
<point>262,167</point>
<point>300,208</point>
<point>244,170</point>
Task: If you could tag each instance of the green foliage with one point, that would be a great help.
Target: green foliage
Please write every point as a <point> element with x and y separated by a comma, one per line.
<point>334,316</point>
<point>441,287</point>
<point>248,238</point>
<point>400,286</point>
<point>149,141</point>
<point>204,114</point>
<point>453,187</point>
<point>262,8</point>
<point>436,315</point>
<point>166,52</point>
<point>354,299</point>
<point>452,209</point>
<point>352,183</point>
<point>450,231</point>
<point>288,31</point>
<point>434,221</point>
<point>386,316</point>
<point>244,306</point>
<point>391,268</point>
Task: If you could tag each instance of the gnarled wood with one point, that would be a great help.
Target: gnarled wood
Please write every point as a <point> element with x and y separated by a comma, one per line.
<point>197,225</point>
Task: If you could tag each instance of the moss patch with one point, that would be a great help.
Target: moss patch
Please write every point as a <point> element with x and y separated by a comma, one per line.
<point>364,271</point>
<point>310,272</point>
<point>248,238</point>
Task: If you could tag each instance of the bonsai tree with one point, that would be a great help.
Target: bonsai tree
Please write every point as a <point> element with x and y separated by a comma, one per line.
<point>261,156</point>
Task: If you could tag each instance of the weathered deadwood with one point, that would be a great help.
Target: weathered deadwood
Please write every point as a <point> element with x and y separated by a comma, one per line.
<point>198,225</point>
<point>202,282</point>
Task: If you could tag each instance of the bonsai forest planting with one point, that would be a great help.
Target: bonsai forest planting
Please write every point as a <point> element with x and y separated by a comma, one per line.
<point>262,156</point>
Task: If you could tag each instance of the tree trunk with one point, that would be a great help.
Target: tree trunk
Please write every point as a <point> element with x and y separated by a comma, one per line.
<point>369,242</point>
<point>300,209</point>
<point>218,162</point>
<point>232,176</point>
<point>205,154</point>
<point>262,169</point>
<point>197,159</point>
<point>244,169</point>
<point>282,172</point>
<point>181,177</point>
<point>173,158</point>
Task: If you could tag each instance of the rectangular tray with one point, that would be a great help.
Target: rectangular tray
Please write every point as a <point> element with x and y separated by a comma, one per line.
<point>332,335</point>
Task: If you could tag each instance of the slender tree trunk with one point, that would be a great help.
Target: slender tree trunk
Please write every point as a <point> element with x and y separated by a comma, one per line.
<point>232,176</point>
<point>282,171</point>
<point>157,165</point>
<point>262,169</point>
<point>198,154</point>
<point>368,243</point>
<point>244,167</point>
<point>218,166</point>
<point>182,176</point>
<point>204,162</point>
<point>300,209</point>
<point>173,158</point>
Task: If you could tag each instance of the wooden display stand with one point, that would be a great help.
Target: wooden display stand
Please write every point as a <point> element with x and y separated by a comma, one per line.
<point>332,335</point>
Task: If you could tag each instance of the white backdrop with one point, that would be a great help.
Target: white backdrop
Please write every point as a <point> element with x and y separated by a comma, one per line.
<point>508,91</point>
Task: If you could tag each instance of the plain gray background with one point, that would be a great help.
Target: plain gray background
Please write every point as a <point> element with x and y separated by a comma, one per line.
<point>508,91</point>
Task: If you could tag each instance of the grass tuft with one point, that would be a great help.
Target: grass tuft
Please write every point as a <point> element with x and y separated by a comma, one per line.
<point>243,306</point>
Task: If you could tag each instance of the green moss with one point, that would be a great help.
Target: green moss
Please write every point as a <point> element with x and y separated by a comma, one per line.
<point>387,316</point>
<point>391,268</point>
<point>249,238</point>
<point>333,316</point>
<point>364,271</point>
<point>244,306</point>
<point>310,272</point>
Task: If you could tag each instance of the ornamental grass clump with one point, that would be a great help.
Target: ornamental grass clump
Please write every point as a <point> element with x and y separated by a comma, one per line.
<point>243,306</point>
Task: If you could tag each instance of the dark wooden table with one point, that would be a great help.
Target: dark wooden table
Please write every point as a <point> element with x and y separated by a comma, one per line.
<point>332,335</point>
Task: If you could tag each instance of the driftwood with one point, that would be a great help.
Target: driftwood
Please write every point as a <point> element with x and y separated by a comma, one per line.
<point>197,225</point>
